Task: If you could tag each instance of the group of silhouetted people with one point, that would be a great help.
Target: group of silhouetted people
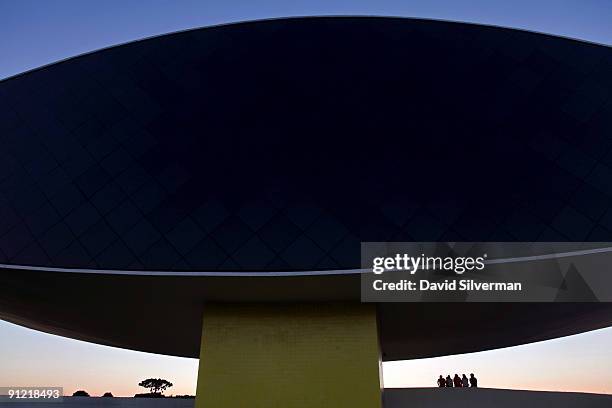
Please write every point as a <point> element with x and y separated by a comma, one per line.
<point>457,382</point>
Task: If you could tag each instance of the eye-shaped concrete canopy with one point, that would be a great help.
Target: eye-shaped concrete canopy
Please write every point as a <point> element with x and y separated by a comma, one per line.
<point>162,313</point>
<point>281,145</point>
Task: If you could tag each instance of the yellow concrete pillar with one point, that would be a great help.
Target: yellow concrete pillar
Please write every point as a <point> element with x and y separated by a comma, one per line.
<point>289,356</point>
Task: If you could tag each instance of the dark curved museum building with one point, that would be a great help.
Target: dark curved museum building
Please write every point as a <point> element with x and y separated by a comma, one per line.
<point>281,145</point>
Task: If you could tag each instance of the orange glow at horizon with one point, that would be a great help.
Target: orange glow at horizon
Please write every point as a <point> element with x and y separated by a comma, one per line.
<point>579,363</point>
<point>34,359</point>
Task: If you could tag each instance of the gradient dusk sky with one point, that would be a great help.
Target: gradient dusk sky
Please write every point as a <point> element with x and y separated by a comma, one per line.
<point>34,33</point>
<point>576,363</point>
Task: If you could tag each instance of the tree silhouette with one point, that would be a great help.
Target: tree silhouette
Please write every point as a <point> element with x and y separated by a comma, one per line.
<point>155,385</point>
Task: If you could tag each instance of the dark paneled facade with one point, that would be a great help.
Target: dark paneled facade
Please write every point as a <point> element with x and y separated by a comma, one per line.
<point>281,145</point>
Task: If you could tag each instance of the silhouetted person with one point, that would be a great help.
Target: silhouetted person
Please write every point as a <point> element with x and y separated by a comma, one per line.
<point>441,382</point>
<point>464,381</point>
<point>449,381</point>
<point>473,381</point>
<point>457,381</point>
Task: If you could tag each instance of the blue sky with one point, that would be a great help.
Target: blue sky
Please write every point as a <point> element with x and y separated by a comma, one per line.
<point>35,33</point>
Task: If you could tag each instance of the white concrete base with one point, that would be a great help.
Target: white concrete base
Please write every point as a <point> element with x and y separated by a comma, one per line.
<point>393,398</point>
<point>488,398</point>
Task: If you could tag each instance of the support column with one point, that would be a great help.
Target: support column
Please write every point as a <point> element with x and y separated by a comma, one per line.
<point>289,356</point>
